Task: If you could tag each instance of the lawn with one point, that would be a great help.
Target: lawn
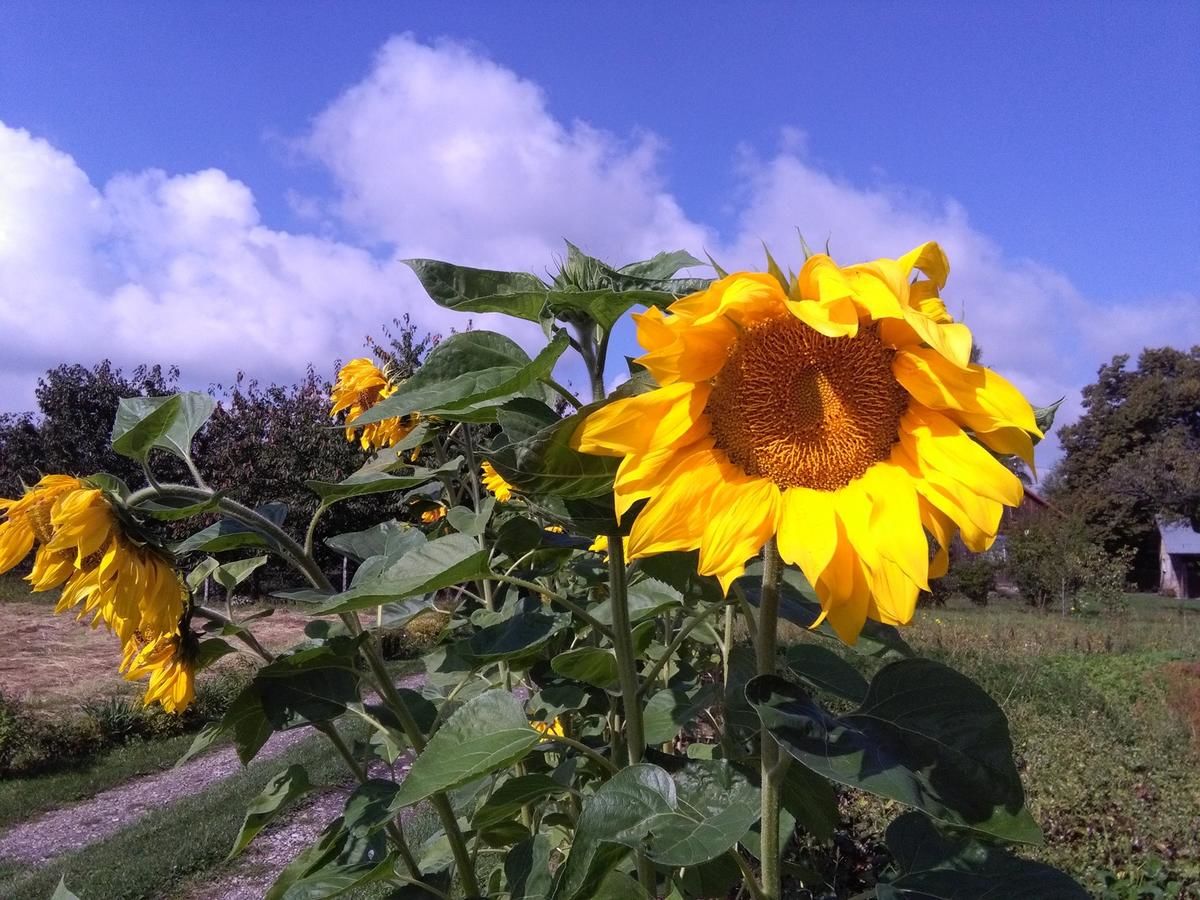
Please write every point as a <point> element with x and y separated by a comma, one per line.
<point>1106,761</point>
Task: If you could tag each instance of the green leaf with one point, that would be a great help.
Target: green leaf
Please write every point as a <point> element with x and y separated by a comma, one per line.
<point>246,722</point>
<point>163,423</point>
<point>389,539</point>
<point>200,573</point>
<point>933,866</point>
<point>211,650</point>
<point>310,685</point>
<point>286,787</point>
<point>527,869</point>
<point>368,808</point>
<point>366,481</point>
<point>662,265</point>
<point>682,821</point>
<point>489,732</point>
<point>647,599</point>
<point>437,564</point>
<point>517,636</point>
<point>925,735</point>
<point>171,509</point>
<point>141,422</point>
<point>464,289</point>
<point>823,670</point>
<point>506,801</point>
<point>229,575</point>
<point>812,801</point>
<point>467,370</point>
<point>471,522</point>
<point>339,860</point>
<point>62,892</point>
<point>229,534</point>
<point>591,665</point>
<point>669,710</point>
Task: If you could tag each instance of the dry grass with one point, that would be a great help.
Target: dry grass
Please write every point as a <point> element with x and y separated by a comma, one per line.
<point>53,661</point>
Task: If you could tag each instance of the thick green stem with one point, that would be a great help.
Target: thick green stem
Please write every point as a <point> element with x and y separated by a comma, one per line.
<point>772,772</point>
<point>562,392</point>
<point>311,534</point>
<point>631,704</point>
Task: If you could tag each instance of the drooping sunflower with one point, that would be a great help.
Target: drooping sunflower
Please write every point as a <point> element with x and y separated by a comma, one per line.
<point>169,661</point>
<point>838,411</point>
<point>360,385</point>
<point>433,514</point>
<point>127,586</point>
<point>548,730</point>
<point>494,482</point>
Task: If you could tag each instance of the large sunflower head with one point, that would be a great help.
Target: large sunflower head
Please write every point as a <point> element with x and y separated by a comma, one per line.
<point>82,547</point>
<point>360,385</point>
<point>838,411</point>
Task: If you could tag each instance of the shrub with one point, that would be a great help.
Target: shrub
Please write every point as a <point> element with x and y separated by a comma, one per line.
<point>1183,696</point>
<point>975,578</point>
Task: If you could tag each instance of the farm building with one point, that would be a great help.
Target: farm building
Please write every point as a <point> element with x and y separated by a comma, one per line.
<point>1179,560</point>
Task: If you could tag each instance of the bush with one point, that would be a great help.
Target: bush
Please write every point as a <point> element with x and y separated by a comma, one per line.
<point>975,578</point>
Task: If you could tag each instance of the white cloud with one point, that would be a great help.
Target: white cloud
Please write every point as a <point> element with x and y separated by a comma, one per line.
<point>441,149</point>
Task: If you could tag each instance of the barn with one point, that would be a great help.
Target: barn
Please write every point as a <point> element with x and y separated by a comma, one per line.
<point>1179,560</point>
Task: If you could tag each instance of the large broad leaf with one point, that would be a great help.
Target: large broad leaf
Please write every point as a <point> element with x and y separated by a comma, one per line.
<point>164,423</point>
<point>489,732</point>
<point>527,869</point>
<point>798,604</point>
<point>925,735</point>
<point>466,370</point>
<point>62,892</point>
<point>229,534</point>
<point>229,575</point>
<point>822,669</point>
<point>591,665</point>
<point>647,598</point>
<point>464,289</point>
<point>286,787</point>
<point>375,482</point>
<point>310,685</point>
<point>515,637</point>
<point>435,565</point>
<point>661,265</point>
<point>933,866</point>
<point>683,820</point>
<point>669,710</point>
<point>387,539</point>
<point>506,801</point>
<point>341,859</point>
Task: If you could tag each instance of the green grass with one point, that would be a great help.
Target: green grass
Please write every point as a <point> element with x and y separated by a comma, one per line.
<point>156,854</point>
<point>23,798</point>
<point>1107,767</point>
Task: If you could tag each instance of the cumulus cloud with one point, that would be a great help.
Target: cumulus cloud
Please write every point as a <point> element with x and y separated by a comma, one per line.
<point>439,147</point>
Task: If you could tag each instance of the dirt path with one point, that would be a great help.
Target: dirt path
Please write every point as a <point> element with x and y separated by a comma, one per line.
<point>73,827</point>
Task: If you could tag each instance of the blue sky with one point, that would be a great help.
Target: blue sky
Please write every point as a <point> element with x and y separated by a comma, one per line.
<point>1053,148</point>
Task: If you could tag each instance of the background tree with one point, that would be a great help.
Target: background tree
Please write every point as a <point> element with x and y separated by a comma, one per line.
<point>1135,454</point>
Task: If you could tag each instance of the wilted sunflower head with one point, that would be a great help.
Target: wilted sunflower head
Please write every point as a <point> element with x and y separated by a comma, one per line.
<point>830,410</point>
<point>169,661</point>
<point>361,385</point>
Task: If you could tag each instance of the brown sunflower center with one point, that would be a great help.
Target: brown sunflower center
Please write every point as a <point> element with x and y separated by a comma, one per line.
<point>805,410</point>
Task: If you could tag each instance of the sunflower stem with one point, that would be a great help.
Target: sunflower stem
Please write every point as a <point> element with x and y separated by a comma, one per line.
<point>772,771</point>
<point>627,676</point>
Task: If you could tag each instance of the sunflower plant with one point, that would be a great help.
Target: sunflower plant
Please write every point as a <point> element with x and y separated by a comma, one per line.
<point>605,711</point>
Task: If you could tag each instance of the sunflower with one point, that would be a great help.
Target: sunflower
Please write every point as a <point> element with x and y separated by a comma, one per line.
<point>169,661</point>
<point>494,482</point>
<point>433,514</point>
<point>360,385</point>
<point>838,411</point>
<point>549,730</point>
<point>81,547</point>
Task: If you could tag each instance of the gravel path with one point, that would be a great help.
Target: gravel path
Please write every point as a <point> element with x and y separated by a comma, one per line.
<point>73,827</point>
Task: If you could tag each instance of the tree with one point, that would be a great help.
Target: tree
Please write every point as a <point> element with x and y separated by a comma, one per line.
<point>1134,454</point>
<point>72,432</point>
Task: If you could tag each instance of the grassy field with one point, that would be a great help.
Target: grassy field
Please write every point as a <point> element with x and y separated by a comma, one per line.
<point>1107,763</point>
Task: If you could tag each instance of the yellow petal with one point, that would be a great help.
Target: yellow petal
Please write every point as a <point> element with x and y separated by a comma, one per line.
<point>896,521</point>
<point>808,530</point>
<point>938,443</point>
<point>675,517</point>
<point>642,474</point>
<point>689,352</point>
<point>744,514</point>
<point>843,590</point>
<point>938,384</point>
<point>646,422</point>
<point>744,297</point>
